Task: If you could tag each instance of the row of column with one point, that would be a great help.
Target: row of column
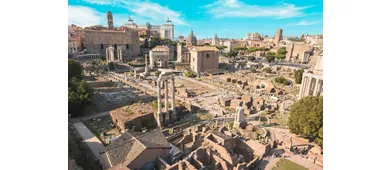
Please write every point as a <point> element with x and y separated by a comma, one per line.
<point>310,86</point>
<point>168,118</point>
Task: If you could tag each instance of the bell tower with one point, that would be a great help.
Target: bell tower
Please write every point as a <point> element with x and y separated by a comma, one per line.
<point>110,20</point>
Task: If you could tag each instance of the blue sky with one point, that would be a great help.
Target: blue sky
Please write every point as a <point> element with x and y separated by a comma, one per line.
<point>227,18</point>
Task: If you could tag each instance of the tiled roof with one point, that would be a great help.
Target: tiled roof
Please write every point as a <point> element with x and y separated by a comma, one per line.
<point>154,139</point>
<point>118,151</point>
<point>127,147</point>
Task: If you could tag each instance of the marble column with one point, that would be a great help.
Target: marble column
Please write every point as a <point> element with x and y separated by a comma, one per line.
<point>125,76</point>
<point>159,116</point>
<point>309,86</point>
<point>166,95</point>
<point>146,64</point>
<point>107,55</point>
<point>316,86</point>
<point>302,89</point>
<point>135,73</point>
<point>119,51</point>
<point>173,99</point>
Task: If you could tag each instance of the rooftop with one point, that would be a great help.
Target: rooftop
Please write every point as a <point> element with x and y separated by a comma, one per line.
<point>127,148</point>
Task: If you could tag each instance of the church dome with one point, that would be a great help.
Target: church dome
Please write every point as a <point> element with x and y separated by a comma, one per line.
<point>191,39</point>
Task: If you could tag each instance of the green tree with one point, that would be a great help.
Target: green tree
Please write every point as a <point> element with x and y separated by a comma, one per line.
<point>264,49</point>
<point>270,58</point>
<point>189,74</point>
<point>253,49</point>
<point>206,44</point>
<point>220,47</point>
<point>282,80</point>
<point>239,48</point>
<point>271,53</point>
<point>232,54</point>
<point>251,58</point>
<point>298,75</point>
<point>280,56</point>
<point>157,73</point>
<point>319,138</point>
<point>78,96</point>
<point>74,69</point>
<point>253,69</point>
<point>282,50</point>
<point>111,66</point>
<point>306,117</point>
<point>267,70</point>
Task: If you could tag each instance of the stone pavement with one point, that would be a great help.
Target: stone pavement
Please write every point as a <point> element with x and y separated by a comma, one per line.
<point>93,143</point>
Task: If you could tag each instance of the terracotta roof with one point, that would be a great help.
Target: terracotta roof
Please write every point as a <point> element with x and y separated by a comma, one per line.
<point>127,148</point>
<point>204,48</point>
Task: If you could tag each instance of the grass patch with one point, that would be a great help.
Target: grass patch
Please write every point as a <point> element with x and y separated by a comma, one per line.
<point>285,164</point>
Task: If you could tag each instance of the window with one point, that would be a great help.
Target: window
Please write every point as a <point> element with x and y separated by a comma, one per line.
<point>127,46</point>
<point>207,56</point>
<point>101,46</point>
<point>193,59</point>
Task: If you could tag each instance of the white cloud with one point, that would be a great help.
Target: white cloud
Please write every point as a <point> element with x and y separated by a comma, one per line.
<point>145,10</point>
<point>84,16</point>
<point>236,8</point>
<point>305,23</point>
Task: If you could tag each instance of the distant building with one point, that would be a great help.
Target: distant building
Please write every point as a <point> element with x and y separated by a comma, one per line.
<point>191,39</point>
<point>159,56</point>
<point>253,36</point>
<point>97,41</point>
<point>278,36</point>
<point>215,40</point>
<point>164,31</point>
<point>72,47</point>
<point>204,58</point>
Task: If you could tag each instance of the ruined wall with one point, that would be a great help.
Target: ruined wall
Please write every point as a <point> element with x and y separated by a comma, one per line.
<point>146,156</point>
<point>96,42</point>
<point>243,149</point>
<point>139,122</point>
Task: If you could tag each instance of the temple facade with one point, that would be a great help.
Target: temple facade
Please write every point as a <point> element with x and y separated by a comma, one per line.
<point>312,80</point>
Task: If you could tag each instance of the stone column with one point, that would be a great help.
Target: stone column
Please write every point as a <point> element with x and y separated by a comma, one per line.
<point>107,55</point>
<point>111,53</point>
<point>166,95</point>
<point>146,64</point>
<point>316,86</point>
<point>310,80</point>
<point>173,99</point>
<point>151,60</point>
<point>125,76</point>
<point>119,51</point>
<point>302,89</point>
<point>159,116</point>
<point>135,73</point>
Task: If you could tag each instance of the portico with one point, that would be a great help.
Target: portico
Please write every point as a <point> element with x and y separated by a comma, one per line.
<point>311,85</point>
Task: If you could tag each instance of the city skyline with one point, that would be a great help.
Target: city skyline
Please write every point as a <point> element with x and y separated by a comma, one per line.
<point>206,17</point>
